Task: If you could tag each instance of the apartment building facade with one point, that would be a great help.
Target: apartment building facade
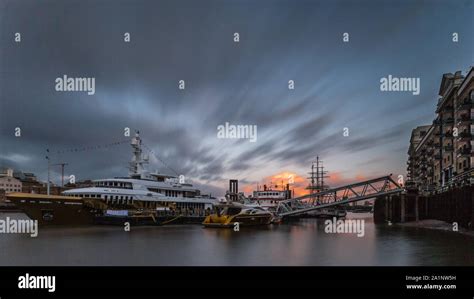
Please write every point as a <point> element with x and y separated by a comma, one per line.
<point>441,155</point>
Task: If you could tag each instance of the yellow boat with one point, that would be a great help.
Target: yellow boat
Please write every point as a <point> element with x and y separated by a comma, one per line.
<point>227,215</point>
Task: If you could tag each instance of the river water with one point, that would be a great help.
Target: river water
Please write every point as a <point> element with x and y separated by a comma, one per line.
<point>298,243</point>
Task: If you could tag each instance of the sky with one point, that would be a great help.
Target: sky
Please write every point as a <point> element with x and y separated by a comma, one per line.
<point>337,85</point>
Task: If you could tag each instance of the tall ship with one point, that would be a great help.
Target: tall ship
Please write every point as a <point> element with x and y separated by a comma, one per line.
<point>317,184</point>
<point>141,197</point>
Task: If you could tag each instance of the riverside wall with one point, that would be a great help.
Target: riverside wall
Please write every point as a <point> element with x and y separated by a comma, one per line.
<point>455,205</point>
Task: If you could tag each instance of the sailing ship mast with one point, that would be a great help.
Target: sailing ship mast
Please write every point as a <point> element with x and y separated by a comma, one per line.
<point>317,176</point>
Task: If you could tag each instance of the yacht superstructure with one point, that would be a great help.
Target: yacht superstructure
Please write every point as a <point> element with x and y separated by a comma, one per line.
<point>143,189</point>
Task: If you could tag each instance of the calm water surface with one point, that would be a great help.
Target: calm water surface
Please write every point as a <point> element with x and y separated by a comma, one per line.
<point>298,243</point>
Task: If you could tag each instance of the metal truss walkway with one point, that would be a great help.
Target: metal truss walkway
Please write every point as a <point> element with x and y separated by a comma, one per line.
<point>342,195</point>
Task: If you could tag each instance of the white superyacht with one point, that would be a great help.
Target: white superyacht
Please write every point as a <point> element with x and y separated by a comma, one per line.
<point>146,190</point>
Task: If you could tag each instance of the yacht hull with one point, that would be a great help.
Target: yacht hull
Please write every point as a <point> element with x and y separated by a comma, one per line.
<point>57,210</point>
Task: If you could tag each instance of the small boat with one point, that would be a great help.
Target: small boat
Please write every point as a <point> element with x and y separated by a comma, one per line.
<point>228,214</point>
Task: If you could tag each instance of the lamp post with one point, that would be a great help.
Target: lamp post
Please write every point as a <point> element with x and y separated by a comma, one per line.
<point>47,158</point>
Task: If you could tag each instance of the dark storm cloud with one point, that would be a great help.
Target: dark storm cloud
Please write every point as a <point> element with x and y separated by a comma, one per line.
<point>245,83</point>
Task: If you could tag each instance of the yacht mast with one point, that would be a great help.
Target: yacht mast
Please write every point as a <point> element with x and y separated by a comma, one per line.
<point>137,167</point>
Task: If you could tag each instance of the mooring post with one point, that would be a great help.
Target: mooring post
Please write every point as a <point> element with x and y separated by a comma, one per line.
<point>426,208</point>
<point>417,216</point>
<point>402,208</point>
<point>390,208</point>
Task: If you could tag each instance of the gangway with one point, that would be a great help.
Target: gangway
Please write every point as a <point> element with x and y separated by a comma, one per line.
<point>337,196</point>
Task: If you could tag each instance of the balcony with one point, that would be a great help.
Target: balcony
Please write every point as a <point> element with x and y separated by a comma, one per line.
<point>448,148</point>
<point>449,120</point>
<point>464,136</point>
<point>448,109</point>
<point>463,151</point>
<point>464,105</point>
<point>448,134</point>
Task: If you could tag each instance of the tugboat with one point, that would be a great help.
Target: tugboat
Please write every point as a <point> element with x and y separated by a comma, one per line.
<point>226,215</point>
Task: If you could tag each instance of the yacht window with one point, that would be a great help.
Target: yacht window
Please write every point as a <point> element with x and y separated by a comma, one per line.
<point>233,211</point>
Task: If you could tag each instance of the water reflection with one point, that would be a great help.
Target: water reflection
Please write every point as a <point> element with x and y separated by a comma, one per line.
<point>299,243</point>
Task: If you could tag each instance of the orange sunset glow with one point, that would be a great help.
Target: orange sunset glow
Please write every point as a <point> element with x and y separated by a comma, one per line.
<point>299,183</point>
